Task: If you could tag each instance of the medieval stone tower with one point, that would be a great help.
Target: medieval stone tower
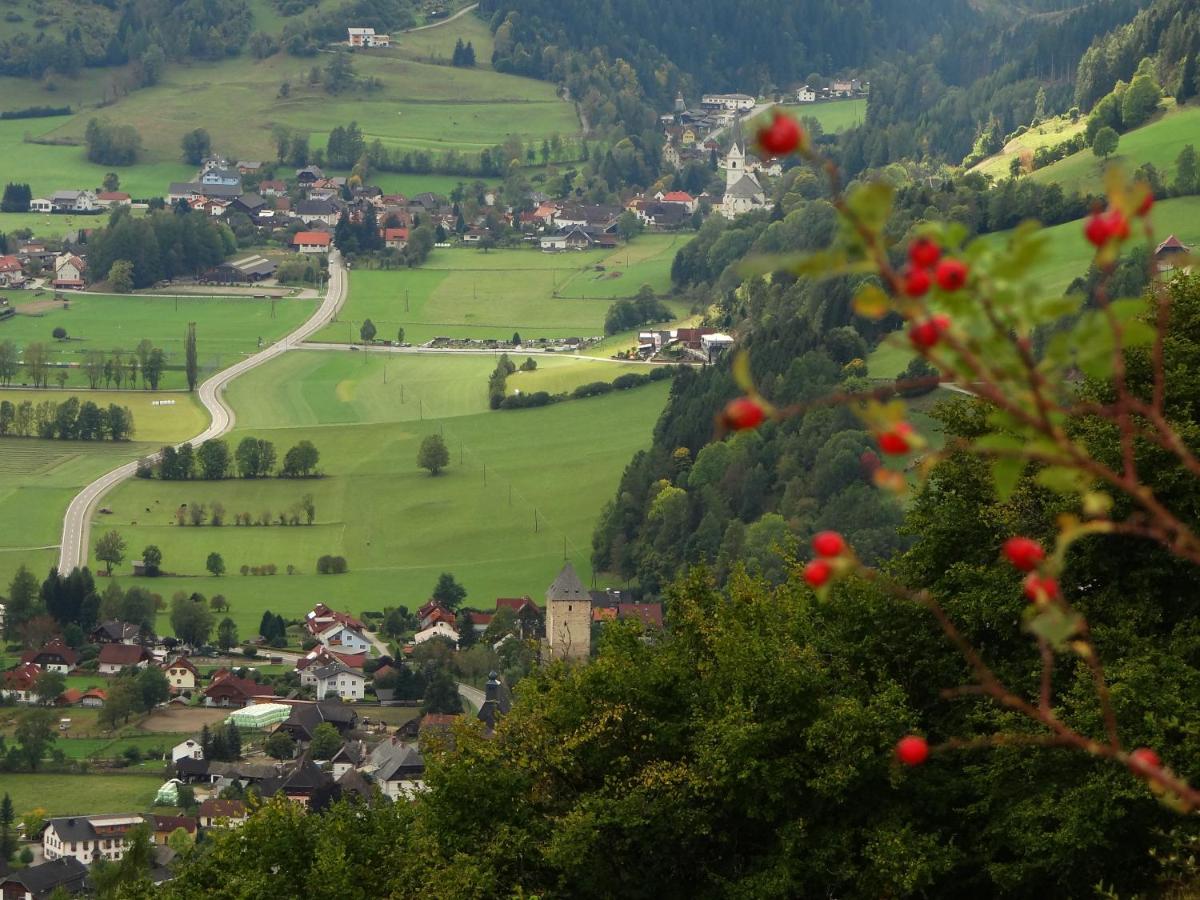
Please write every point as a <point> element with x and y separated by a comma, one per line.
<point>568,616</point>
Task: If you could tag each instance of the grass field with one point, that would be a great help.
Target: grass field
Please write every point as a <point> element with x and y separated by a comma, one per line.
<point>397,526</point>
<point>469,293</point>
<point>62,795</point>
<point>1158,143</point>
<point>227,328</point>
<point>1050,132</point>
<point>837,115</point>
<point>437,44</point>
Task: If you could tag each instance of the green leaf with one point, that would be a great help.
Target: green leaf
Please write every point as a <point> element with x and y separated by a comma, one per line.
<point>1063,480</point>
<point>1006,472</point>
<point>871,302</point>
<point>871,202</point>
<point>1054,624</point>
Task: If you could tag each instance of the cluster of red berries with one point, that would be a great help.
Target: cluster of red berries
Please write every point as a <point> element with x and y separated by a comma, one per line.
<point>1103,227</point>
<point>827,545</point>
<point>897,440</point>
<point>784,135</point>
<point>926,267</point>
<point>1027,554</point>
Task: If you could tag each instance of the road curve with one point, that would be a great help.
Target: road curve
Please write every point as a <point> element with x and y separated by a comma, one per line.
<point>461,12</point>
<point>76,523</point>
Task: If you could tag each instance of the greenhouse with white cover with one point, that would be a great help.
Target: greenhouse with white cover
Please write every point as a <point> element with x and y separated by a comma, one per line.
<point>261,715</point>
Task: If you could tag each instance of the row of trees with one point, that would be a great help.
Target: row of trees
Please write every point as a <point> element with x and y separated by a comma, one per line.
<point>163,244</point>
<point>150,364</point>
<point>253,458</point>
<point>67,420</point>
<point>16,198</point>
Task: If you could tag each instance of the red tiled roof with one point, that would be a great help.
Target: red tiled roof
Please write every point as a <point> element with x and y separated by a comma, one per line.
<point>10,264</point>
<point>182,662</point>
<point>95,693</point>
<point>1171,243</point>
<point>395,234</point>
<point>69,697</point>
<point>311,238</point>
<point>516,604</point>
<point>122,654</point>
<point>677,197</point>
<point>110,196</point>
<point>649,613</point>
<point>22,677</point>
<point>244,687</point>
<point>55,647</point>
<point>170,823</point>
<point>222,809</point>
<point>481,618</point>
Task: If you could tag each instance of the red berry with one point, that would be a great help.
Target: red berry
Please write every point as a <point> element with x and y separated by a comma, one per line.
<point>923,253</point>
<point>895,441</point>
<point>912,750</point>
<point>1097,229</point>
<point>782,136</point>
<point>829,543</point>
<point>926,334</point>
<point>1118,225</point>
<point>743,413</point>
<point>1037,587</point>
<point>916,281</point>
<point>951,274</point>
<point>1144,758</point>
<point>1146,204</point>
<point>1024,553</point>
<point>817,572</point>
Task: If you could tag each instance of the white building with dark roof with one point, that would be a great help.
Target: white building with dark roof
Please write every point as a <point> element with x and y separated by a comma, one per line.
<point>89,838</point>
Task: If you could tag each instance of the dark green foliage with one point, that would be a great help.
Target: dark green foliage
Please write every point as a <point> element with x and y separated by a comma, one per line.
<point>68,420</point>
<point>16,198</point>
<point>112,145</point>
<point>161,245</point>
<point>624,315</point>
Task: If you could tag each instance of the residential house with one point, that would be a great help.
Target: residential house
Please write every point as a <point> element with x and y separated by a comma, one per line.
<point>222,813</point>
<point>115,632</point>
<point>272,188</point>
<point>321,656</point>
<point>298,782</point>
<point>1170,253</point>
<point>570,237</point>
<point>349,756</point>
<point>312,241</point>
<point>806,94</point>
<point>111,199</point>
<point>366,37</point>
<point>40,882</point>
<point>320,617</point>
<point>181,675</point>
<point>339,679</point>
<point>11,271</point>
<point>692,337</point>
<point>73,202</point>
<point>438,629</point>
<point>54,656</point>
<point>433,611</point>
<point>231,691</point>
<point>114,658</point>
<point>306,716</point>
<point>682,198</point>
<point>841,88</point>
<point>396,767</point>
<point>17,683</point>
<point>713,345</point>
<point>88,838</point>
<point>68,271</point>
<point>188,749</point>
<point>310,211</point>
<point>250,204</point>
<point>657,214</point>
<point>308,175</point>
<point>248,166</point>
<point>41,205</point>
<point>69,697</point>
<point>221,176</point>
<point>395,238</point>
<point>530,618</point>
<point>165,826</point>
<point>93,698</point>
<point>344,638</point>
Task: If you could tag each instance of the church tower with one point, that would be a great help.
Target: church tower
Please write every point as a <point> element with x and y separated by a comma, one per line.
<point>735,165</point>
<point>568,616</point>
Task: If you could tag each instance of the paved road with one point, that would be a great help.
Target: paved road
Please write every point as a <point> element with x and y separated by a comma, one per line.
<point>481,351</point>
<point>76,523</point>
<point>461,12</point>
<point>473,696</point>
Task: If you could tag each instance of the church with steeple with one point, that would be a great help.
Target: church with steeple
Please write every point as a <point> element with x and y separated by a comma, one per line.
<point>743,193</point>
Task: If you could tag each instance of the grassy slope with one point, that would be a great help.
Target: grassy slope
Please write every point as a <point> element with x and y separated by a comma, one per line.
<point>470,293</point>
<point>436,45</point>
<point>227,328</point>
<point>837,115</point>
<point>1052,131</point>
<point>397,526</point>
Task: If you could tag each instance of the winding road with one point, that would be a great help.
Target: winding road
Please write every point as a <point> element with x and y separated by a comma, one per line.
<point>77,521</point>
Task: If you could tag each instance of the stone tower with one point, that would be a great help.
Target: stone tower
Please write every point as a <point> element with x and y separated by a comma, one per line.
<point>735,166</point>
<point>568,616</point>
<point>680,104</point>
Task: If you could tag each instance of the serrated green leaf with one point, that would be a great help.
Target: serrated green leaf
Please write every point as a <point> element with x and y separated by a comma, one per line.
<point>1006,473</point>
<point>871,202</point>
<point>1063,480</point>
<point>1053,624</point>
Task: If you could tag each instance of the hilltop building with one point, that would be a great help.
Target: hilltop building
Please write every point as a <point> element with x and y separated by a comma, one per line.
<point>568,616</point>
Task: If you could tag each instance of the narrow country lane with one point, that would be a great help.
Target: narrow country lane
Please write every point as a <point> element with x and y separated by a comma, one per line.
<point>77,521</point>
<point>461,12</point>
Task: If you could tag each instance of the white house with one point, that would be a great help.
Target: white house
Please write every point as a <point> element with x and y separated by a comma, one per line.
<point>396,767</point>
<point>68,271</point>
<point>41,205</point>
<point>715,344</point>
<point>366,37</point>
<point>806,95</point>
<point>437,629</point>
<point>188,749</point>
<point>222,176</point>
<point>115,658</point>
<point>344,639</point>
<point>73,201</point>
<point>734,102</point>
<point>339,679</point>
<point>181,675</point>
<point>312,241</point>
<point>88,838</point>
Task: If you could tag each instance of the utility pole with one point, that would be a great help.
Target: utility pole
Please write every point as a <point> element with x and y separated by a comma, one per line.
<point>402,394</point>
<point>535,521</point>
<point>406,299</point>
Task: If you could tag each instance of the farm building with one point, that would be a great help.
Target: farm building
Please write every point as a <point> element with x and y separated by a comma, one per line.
<point>248,269</point>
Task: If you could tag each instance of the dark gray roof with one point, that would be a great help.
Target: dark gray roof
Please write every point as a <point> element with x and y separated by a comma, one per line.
<point>335,668</point>
<point>394,760</point>
<point>497,702</point>
<point>351,752</point>
<point>79,828</point>
<point>567,586</point>
<point>305,717</point>
<point>315,207</point>
<point>243,770</point>
<point>41,880</point>
<point>251,201</point>
<point>302,778</point>
<point>745,188</point>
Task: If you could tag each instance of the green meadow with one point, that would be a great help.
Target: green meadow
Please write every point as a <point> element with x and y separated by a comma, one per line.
<point>61,795</point>
<point>472,293</point>
<point>436,45</point>
<point>836,115</point>
<point>1052,131</point>
<point>1157,143</point>
<point>523,487</point>
<point>227,328</point>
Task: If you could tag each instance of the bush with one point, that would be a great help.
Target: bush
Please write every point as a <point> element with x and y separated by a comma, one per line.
<point>526,401</point>
<point>592,389</point>
<point>250,652</point>
<point>630,380</point>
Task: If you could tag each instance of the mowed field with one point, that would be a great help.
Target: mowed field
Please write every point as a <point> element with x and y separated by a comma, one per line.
<point>836,115</point>
<point>470,293</point>
<point>61,795</point>
<point>398,526</point>
<point>227,328</point>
